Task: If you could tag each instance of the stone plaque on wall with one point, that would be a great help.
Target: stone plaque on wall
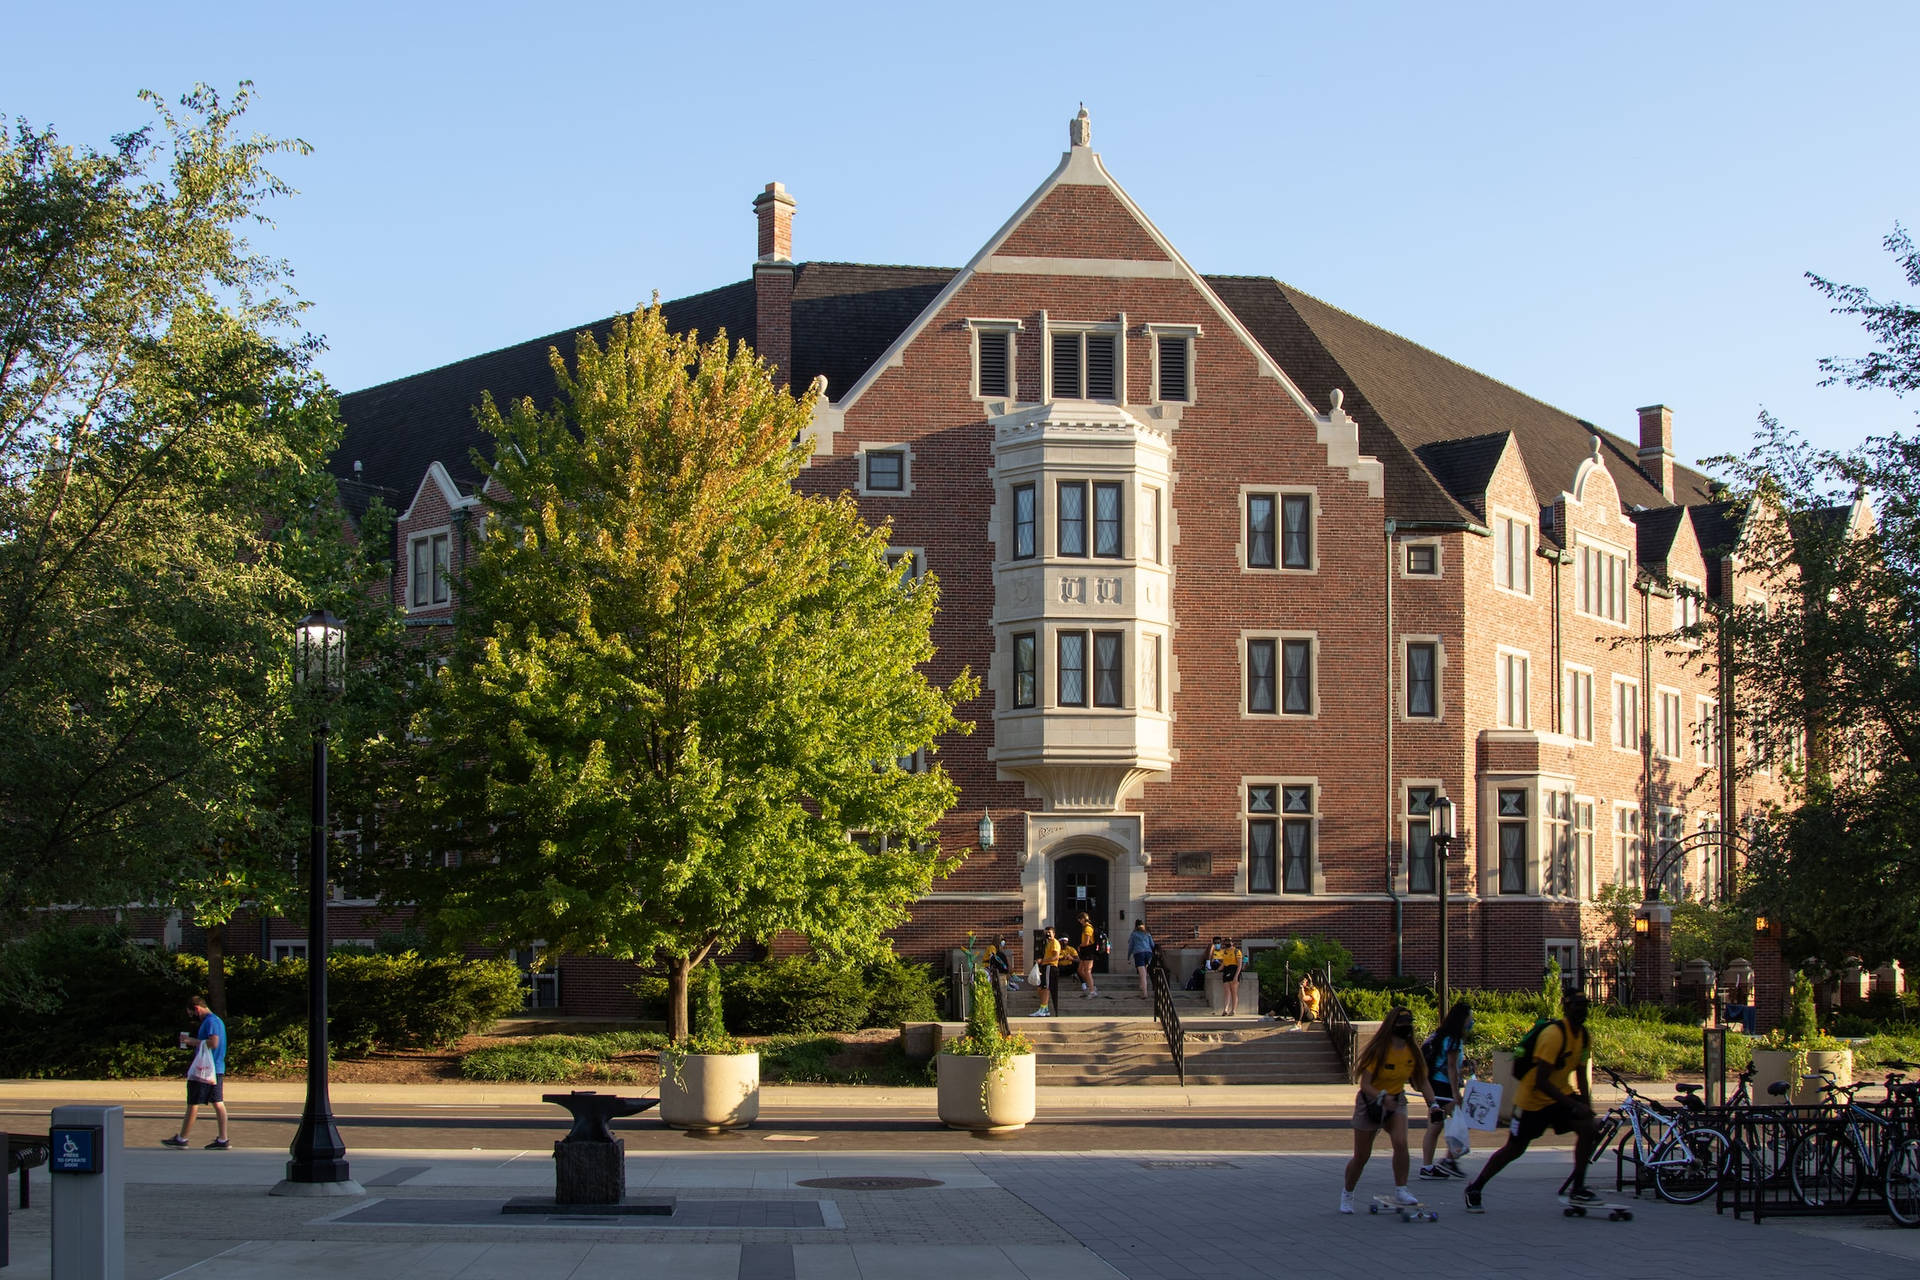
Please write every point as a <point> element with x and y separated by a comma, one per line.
<point>1193,864</point>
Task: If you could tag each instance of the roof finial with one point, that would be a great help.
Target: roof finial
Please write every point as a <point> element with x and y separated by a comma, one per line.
<point>1336,397</point>
<point>1080,132</point>
<point>1593,442</point>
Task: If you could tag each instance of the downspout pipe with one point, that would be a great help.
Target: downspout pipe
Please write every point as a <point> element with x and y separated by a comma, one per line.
<point>1393,790</point>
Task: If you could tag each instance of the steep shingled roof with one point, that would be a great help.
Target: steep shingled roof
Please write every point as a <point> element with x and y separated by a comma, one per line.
<point>1654,531</point>
<point>1429,420</point>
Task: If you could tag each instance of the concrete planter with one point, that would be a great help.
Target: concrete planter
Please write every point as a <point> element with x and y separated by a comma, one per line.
<point>1777,1064</point>
<point>711,1091</point>
<point>974,1096</point>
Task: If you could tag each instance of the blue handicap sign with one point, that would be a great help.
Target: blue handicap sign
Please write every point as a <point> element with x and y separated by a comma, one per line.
<point>76,1149</point>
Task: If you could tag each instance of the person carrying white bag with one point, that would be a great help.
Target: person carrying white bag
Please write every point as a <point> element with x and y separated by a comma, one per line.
<point>1444,1050</point>
<point>206,1076</point>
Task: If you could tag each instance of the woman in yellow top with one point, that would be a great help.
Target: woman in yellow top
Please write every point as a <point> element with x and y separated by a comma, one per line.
<point>1230,978</point>
<point>1390,1060</point>
<point>1083,940</point>
<point>1049,957</point>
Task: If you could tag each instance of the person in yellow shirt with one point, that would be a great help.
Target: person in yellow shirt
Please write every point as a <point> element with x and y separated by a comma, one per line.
<point>1084,936</point>
<point>1230,978</point>
<point>1556,1094</point>
<point>1383,1070</point>
<point>1049,957</point>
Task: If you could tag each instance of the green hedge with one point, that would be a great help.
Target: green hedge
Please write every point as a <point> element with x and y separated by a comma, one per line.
<point>83,1002</point>
<point>811,994</point>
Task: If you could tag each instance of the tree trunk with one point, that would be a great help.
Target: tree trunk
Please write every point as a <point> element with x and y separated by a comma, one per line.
<point>217,968</point>
<point>678,967</point>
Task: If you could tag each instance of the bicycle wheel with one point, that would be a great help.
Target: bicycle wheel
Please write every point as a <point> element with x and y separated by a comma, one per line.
<point>1902,1189</point>
<point>1764,1148</point>
<point>1823,1169</point>
<point>1689,1170</point>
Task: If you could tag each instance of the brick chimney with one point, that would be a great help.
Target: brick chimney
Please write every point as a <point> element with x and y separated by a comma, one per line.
<point>1656,446</point>
<point>773,279</point>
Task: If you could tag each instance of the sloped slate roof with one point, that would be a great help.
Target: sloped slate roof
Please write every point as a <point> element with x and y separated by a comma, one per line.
<point>1435,424</point>
<point>1654,531</point>
<point>1426,398</point>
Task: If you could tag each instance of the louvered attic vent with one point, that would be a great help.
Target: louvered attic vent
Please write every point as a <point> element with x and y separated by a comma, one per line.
<point>995,362</point>
<point>1173,369</point>
<point>1084,366</point>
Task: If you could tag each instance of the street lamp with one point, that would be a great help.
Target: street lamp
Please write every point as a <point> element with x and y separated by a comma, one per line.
<point>319,1158</point>
<point>986,830</point>
<point>1440,829</point>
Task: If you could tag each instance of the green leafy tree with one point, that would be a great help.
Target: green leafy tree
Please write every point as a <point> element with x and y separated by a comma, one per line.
<point>1825,664</point>
<point>679,684</point>
<point>162,431</point>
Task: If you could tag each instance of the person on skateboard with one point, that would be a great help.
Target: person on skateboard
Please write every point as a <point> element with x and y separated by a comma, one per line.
<point>1556,1092</point>
<point>1383,1069</point>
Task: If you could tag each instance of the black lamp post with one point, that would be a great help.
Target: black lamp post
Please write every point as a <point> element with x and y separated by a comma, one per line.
<point>319,1157</point>
<point>1441,830</point>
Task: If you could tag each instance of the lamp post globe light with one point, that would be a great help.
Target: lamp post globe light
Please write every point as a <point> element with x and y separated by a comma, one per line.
<point>1440,829</point>
<point>318,1163</point>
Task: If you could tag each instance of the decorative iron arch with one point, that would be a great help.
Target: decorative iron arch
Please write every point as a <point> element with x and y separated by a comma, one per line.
<point>1730,843</point>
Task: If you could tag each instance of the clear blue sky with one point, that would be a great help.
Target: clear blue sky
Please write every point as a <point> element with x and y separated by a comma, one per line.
<point>1604,209</point>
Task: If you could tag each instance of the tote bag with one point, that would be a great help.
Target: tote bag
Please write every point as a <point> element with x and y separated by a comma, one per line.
<point>1480,1104</point>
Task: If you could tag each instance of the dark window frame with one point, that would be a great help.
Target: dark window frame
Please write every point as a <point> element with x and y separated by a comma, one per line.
<point>1077,668</point>
<point>1429,684</point>
<point>1109,535</point>
<point>1026,675</point>
<point>1296,543</point>
<point>1026,526</point>
<point>1064,520</point>
<point>1263,530</point>
<point>898,458</point>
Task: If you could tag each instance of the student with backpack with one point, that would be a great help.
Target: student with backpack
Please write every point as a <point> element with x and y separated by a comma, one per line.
<point>1443,1051</point>
<point>1555,1092</point>
<point>1383,1070</point>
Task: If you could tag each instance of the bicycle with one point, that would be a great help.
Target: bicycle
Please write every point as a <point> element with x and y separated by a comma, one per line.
<point>1688,1158</point>
<point>1829,1165</point>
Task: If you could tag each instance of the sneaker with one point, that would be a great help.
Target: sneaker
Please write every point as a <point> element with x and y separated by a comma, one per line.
<point>1403,1196</point>
<point>219,1144</point>
<point>1043,1012</point>
<point>1451,1167</point>
<point>1473,1201</point>
<point>1433,1173</point>
<point>1346,1202</point>
<point>1580,1195</point>
<point>174,1140</point>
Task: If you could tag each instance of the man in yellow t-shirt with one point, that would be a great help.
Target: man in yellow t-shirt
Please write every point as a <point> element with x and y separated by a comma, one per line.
<point>1557,1094</point>
<point>1049,957</point>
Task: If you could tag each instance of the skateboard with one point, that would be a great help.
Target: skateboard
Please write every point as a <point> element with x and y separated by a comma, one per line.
<point>1615,1212</point>
<point>1416,1212</point>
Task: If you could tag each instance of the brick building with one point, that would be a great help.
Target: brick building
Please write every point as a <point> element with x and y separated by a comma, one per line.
<point>1248,581</point>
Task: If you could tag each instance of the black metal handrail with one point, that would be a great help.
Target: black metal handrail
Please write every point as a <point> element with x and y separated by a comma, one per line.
<point>1339,1025</point>
<point>1167,1016</point>
<point>1000,1000</point>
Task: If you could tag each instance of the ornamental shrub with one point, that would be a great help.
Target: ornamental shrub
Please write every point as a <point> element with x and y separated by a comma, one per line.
<point>801,993</point>
<point>81,1001</point>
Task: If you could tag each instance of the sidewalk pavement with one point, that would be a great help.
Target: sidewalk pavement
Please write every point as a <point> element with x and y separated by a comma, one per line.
<point>990,1215</point>
<point>744,1212</point>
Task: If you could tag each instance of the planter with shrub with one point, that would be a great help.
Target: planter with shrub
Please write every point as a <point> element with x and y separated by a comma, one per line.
<point>1798,1053</point>
<point>986,1078</point>
<point>709,1081</point>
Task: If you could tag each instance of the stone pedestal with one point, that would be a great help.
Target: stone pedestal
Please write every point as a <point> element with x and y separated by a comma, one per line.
<point>1890,979</point>
<point>1856,984</point>
<point>1769,979</point>
<point>589,1172</point>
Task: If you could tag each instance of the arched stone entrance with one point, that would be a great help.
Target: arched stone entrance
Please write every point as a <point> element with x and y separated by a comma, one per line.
<point>1098,856</point>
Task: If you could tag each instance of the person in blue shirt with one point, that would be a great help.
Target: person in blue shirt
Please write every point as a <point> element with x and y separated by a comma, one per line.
<point>211,1032</point>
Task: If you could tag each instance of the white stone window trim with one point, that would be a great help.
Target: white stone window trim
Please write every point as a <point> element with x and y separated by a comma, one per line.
<point>1583,542</point>
<point>1404,691</point>
<point>1707,711</point>
<point>1403,873</point>
<point>1613,715</point>
<point>1627,864</point>
<point>1535,786</point>
<point>1665,696</point>
<point>427,536</point>
<point>1550,945</point>
<point>1317,878</point>
<point>1279,676</point>
<point>1118,328</point>
<point>1532,523</point>
<point>906,470</point>
<point>1154,333</point>
<point>286,949</point>
<point>1567,670</point>
<point>1585,885</point>
<point>916,555</point>
<point>1155,644</point>
<point>1012,328</point>
<point>1689,595</point>
<point>1502,654</point>
<point>1280,493</point>
<point>1439,559</point>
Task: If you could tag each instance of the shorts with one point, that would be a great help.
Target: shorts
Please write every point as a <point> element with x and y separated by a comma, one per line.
<point>1142,961</point>
<point>1557,1116</point>
<point>199,1094</point>
<point>1230,974</point>
<point>1389,1103</point>
<point>1442,1092</point>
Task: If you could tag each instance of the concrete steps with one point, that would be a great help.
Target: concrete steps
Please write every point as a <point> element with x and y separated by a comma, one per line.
<point>1122,1050</point>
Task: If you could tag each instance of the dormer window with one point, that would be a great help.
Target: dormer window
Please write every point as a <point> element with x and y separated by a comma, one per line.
<point>1085,366</point>
<point>429,559</point>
